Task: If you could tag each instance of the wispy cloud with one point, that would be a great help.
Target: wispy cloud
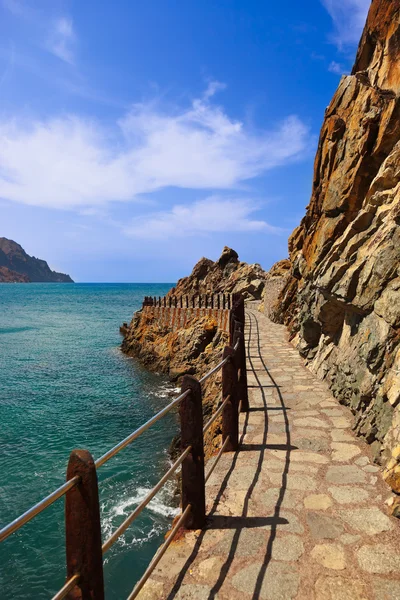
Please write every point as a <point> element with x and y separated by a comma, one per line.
<point>62,40</point>
<point>58,33</point>
<point>335,67</point>
<point>204,217</point>
<point>72,162</point>
<point>349,18</point>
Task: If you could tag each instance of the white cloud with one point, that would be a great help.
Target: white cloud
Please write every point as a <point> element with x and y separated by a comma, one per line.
<point>349,18</point>
<point>62,40</point>
<point>211,215</point>
<point>335,67</point>
<point>72,162</point>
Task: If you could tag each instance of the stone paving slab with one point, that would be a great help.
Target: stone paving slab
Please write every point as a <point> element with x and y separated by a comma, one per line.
<point>298,512</point>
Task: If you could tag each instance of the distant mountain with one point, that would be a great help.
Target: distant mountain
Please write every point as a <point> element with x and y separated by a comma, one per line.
<point>19,266</point>
<point>8,276</point>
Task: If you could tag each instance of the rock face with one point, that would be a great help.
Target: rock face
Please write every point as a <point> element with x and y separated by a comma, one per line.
<point>14,258</point>
<point>341,300</point>
<point>275,282</point>
<point>8,276</point>
<point>196,347</point>
<point>227,274</point>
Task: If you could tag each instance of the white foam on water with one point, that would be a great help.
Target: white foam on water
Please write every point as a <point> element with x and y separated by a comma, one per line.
<point>159,506</point>
<point>165,391</point>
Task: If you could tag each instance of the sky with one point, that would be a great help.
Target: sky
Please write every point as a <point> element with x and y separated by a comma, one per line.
<point>137,136</point>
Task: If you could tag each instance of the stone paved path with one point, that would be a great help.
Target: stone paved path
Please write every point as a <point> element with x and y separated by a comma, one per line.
<point>297,513</point>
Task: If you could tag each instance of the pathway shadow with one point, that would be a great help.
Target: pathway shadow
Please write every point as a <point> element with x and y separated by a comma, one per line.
<point>239,523</point>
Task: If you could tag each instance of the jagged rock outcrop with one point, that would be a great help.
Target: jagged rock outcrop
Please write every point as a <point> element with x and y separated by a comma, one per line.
<point>342,299</point>
<point>8,276</point>
<point>275,282</point>
<point>196,347</point>
<point>227,274</point>
<point>14,258</point>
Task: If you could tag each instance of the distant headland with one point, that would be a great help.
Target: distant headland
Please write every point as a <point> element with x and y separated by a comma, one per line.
<point>16,266</point>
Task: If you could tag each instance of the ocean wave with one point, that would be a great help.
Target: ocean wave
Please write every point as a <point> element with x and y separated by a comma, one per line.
<point>159,506</point>
<point>164,391</point>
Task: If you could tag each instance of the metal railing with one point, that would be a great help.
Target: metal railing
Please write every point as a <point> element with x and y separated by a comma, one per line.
<point>84,547</point>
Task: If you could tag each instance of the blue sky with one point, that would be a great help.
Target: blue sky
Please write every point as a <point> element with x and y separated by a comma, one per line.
<point>137,136</point>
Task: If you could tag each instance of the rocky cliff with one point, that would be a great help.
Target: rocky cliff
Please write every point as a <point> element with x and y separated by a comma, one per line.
<point>14,258</point>
<point>341,299</point>
<point>196,347</point>
<point>8,276</point>
<point>227,275</point>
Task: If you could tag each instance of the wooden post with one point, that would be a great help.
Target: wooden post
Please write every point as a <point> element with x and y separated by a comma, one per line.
<point>212,300</point>
<point>187,301</point>
<point>165,302</point>
<point>82,529</point>
<point>218,301</point>
<point>240,361</point>
<point>193,482</point>
<point>230,414</point>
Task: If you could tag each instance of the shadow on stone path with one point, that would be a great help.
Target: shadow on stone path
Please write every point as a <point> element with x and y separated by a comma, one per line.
<point>296,513</point>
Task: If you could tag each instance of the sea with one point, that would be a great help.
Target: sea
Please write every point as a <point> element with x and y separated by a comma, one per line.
<point>65,384</point>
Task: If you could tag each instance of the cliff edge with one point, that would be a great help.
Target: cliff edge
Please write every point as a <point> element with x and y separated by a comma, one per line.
<point>340,297</point>
<point>22,268</point>
<point>196,347</point>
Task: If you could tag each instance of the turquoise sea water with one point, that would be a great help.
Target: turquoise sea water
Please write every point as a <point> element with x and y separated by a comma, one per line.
<point>65,384</point>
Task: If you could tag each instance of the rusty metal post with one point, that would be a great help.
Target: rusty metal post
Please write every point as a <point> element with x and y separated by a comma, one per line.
<point>218,301</point>
<point>193,482</point>
<point>240,361</point>
<point>187,301</point>
<point>82,529</point>
<point>230,414</point>
<point>212,300</point>
<point>231,328</point>
<point>238,309</point>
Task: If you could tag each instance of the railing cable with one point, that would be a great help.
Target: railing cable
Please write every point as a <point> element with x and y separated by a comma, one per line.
<point>103,459</point>
<point>216,415</point>
<point>67,587</point>
<point>216,461</point>
<point>214,370</point>
<point>118,532</point>
<point>37,508</point>
<point>158,556</point>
